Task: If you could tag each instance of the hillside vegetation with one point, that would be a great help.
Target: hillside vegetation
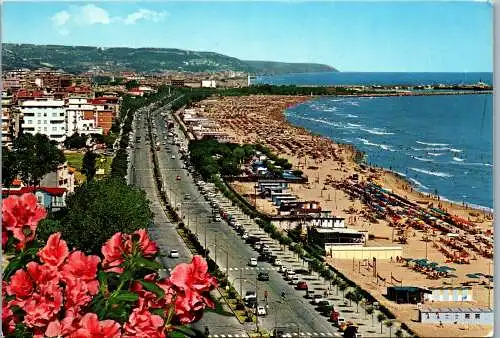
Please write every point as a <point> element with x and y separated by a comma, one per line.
<point>76,59</point>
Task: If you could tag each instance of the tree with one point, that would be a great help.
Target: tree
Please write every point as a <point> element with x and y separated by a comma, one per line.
<point>357,297</point>
<point>370,310</point>
<point>342,287</point>
<point>131,84</point>
<point>36,156</point>
<point>349,295</point>
<point>47,227</point>
<point>381,317</point>
<point>398,333</point>
<point>99,209</point>
<point>75,141</point>
<point>10,167</point>
<point>89,165</point>
<point>389,324</point>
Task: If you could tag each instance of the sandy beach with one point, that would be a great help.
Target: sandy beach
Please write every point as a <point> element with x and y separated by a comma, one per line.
<point>254,119</point>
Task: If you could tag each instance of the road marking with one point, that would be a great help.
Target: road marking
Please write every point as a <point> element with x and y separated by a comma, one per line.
<point>309,333</point>
<point>236,269</point>
<point>230,335</point>
<point>322,334</point>
<point>315,334</point>
<point>302,334</point>
<point>223,335</point>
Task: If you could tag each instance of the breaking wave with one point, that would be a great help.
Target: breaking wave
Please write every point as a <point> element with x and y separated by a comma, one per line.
<point>433,173</point>
<point>433,144</point>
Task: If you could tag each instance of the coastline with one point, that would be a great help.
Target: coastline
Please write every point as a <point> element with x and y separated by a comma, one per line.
<point>261,119</point>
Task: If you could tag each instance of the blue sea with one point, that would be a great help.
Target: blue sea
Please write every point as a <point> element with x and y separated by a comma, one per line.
<point>442,143</point>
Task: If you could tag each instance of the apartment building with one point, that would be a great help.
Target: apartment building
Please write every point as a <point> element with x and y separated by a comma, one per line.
<point>80,117</point>
<point>45,116</point>
<point>6,119</point>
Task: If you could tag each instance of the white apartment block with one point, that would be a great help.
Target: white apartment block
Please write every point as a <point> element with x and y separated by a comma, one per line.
<point>80,117</point>
<point>45,116</point>
<point>6,119</point>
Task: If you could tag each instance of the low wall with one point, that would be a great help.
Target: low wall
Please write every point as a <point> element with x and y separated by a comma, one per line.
<point>363,252</point>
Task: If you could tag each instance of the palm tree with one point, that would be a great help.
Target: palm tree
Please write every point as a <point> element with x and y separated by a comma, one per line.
<point>335,282</point>
<point>381,317</point>
<point>349,295</point>
<point>389,324</point>
<point>357,297</point>
<point>343,286</point>
<point>370,310</point>
<point>399,333</point>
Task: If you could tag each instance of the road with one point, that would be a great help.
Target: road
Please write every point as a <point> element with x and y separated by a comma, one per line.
<point>164,232</point>
<point>232,254</point>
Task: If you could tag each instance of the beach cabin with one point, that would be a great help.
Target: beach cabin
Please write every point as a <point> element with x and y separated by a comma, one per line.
<point>287,198</point>
<point>459,315</point>
<point>449,294</point>
<point>407,294</point>
<point>51,198</point>
<point>275,195</point>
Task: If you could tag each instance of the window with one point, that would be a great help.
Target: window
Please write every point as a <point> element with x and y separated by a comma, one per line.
<point>457,316</point>
<point>44,121</point>
<point>54,128</point>
<point>29,121</point>
<point>39,129</point>
<point>467,316</point>
<point>54,114</point>
<point>39,121</point>
<point>477,316</point>
<point>44,128</point>
<point>39,114</point>
<point>44,114</point>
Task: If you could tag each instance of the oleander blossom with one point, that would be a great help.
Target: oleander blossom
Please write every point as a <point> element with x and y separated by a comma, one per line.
<point>143,323</point>
<point>119,246</point>
<point>20,216</point>
<point>192,284</point>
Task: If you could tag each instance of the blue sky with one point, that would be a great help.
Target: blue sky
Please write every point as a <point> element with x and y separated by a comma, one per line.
<point>439,36</point>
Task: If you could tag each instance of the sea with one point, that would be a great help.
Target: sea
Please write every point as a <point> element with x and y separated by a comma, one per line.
<point>441,144</point>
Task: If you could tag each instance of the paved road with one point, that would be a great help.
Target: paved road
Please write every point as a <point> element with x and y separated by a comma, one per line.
<point>232,253</point>
<point>164,232</point>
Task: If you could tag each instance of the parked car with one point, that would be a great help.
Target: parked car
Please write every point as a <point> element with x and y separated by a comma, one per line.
<point>187,197</point>
<point>261,311</point>
<point>172,157</point>
<point>245,235</point>
<point>252,262</point>
<point>217,218</point>
<point>263,276</point>
<point>324,306</point>
<point>289,274</point>
<point>302,285</point>
<point>250,294</point>
<point>277,262</point>
<point>282,269</point>
<point>174,254</point>
<point>294,280</point>
<point>317,298</point>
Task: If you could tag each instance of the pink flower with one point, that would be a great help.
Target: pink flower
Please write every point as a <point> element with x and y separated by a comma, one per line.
<point>41,308</point>
<point>20,215</point>
<point>9,320</point>
<point>143,324</point>
<point>193,276</point>
<point>84,268</point>
<point>55,251</point>
<point>113,251</point>
<point>20,285</point>
<point>189,306</point>
<point>77,294</point>
<point>91,327</point>
<point>147,246</point>
<point>61,328</point>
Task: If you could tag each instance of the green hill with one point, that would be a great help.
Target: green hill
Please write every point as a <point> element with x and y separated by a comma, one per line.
<point>76,59</point>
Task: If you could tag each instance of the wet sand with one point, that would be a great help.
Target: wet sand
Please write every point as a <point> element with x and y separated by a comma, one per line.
<point>254,119</point>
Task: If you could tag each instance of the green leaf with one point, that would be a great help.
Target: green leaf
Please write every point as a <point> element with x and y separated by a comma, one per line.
<point>153,288</point>
<point>103,281</point>
<point>125,296</point>
<point>146,263</point>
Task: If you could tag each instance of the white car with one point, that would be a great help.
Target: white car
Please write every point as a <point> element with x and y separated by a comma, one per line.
<point>253,262</point>
<point>277,262</point>
<point>173,157</point>
<point>317,299</point>
<point>295,280</point>
<point>245,235</point>
<point>174,254</point>
<point>261,311</point>
<point>282,269</point>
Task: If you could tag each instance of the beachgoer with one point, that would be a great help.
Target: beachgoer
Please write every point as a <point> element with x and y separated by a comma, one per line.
<point>265,295</point>
<point>207,331</point>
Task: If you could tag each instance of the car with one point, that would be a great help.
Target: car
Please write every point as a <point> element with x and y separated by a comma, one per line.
<point>178,178</point>
<point>294,280</point>
<point>263,276</point>
<point>282,269</point>
<point>252,262</point>
<point>172,157</point>
<point>187,197</point>
<point>245,235</point>
<point>249,295</point>
<point>277,262</point>
<point>289,274</point>
<point>302,285</point>
<point>174,254</point>
<point>340,321</point>
<point>261,310</point>
<point>324,306</point>
<point>317,298</point>
<point>217,218</point>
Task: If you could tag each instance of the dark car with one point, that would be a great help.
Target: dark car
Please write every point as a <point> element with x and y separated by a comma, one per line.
<point>251,302</point>
<point>252,240</point>
<point>324,306</point>
<point>263,276</point>
<point>262,258</point>
<point>272,259</point>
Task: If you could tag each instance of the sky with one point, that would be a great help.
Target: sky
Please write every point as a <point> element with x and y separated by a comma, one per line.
<point>370,36</point>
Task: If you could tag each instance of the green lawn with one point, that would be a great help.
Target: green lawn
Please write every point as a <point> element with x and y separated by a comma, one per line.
<point>74,160</point>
